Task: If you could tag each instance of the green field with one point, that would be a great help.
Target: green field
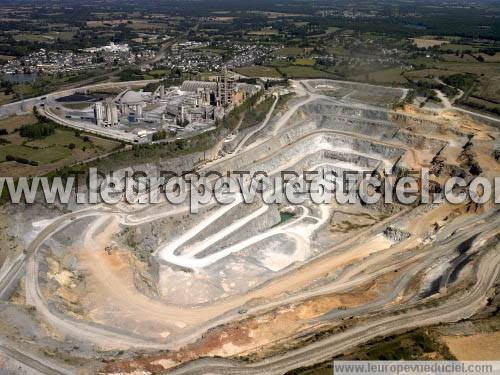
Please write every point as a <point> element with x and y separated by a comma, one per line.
<point>51,36</point>
<point>15,122</point>
<point>159,73</point>
<point>41,156</point>
<point>491,59</point>
<point>59,138</point>
<point>63,147</point>
<point>304,62</point>
<point>44,151</point>
<point>280,62</point>
<point>485,93</point>
<point>32,38</point>
<point>488,88</point>
<point>4,99</point>
<point>218,51</point>
<point>474,68</point>
<point>388,76</point>
<point>304,72</point>
<point>263,32</point>
<point>25,90</point>
<point>258,71</point>
<point>290,51</point>
<point>63,35</point>
<point>458,47</point>
<point>458,65</point>
<point>332,29</point>
<point>427,73</point>
<point>448,57</point>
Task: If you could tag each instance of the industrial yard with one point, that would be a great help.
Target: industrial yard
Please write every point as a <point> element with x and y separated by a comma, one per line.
<point>135,116</point>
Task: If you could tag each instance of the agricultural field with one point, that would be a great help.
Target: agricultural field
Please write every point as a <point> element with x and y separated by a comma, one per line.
<point>31,38</point>
<point>144,25</point>
<point>258,71</point>
<point>466,58</point>
<point>303,72</point>
<point>488,88</point>
<point>428,42</point>
<point>279,62</point>
<point>304,62</point>
<point>385,76</point>
<point>63,35</point>
<point>106,23</point>
<point>332,29</point>
<point>158,73</point>
<point>218,51</point>
<point>483,94</point>
<point>490,59</point>
<point>43,155</point>
<point>5,98</point>
<point>459,47</point>
<point>13,123</point>
<point>290,51</point>
<point>427,73</point>
<point>264,32</point>
<point>45,37</point>
<point>477,68</point>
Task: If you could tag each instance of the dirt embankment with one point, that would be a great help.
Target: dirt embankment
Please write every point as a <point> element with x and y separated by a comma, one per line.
<point>479,347</point>
<point>258,336</point>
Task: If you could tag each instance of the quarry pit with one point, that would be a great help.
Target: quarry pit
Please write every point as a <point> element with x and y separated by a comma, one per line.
<point>157,288</point>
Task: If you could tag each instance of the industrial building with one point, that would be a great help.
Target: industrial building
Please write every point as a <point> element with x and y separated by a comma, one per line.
<point>106,113</point>
<point>192,106</point>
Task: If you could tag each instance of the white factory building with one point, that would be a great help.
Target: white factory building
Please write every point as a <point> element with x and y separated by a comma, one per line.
<point>106,113</point>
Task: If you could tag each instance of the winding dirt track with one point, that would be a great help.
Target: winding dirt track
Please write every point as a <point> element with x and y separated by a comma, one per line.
<point>460,307</point>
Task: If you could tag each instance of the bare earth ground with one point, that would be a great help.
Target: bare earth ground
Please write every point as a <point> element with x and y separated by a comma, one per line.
<point>480,347</point>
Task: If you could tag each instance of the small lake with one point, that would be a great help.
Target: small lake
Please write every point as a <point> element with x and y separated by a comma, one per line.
<point>75,98</point>
<point>417,26</point>
<point>20,77</point>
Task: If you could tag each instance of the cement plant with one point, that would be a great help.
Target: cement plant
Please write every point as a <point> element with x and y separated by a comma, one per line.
<point>134,115</point>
